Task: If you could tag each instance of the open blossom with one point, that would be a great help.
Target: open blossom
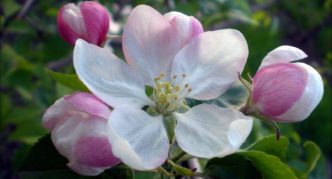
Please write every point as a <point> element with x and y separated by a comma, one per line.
<point>283,91</point>
<point>171,54</point>
<point>78,125</point>
<point>89,21</point>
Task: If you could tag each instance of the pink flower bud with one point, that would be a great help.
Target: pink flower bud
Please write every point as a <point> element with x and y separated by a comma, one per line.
<point>79,131</point>
<point>283,91</point>
<point>89,21</point>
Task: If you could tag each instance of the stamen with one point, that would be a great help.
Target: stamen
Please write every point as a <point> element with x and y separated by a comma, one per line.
<point>169,96</point>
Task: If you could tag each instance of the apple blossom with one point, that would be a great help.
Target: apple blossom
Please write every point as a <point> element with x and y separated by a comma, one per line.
<point>89,21</point>
<point>283,91</point>
<point>171,55</point>
<point>78,125</point>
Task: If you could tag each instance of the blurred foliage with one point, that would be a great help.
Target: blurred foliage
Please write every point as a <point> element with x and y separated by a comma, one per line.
<point>29,43</point>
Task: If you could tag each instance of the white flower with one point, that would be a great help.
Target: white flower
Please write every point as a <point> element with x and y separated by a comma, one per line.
<point>171,54</point>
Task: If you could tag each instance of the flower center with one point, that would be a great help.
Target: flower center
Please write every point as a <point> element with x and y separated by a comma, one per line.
<point>168,96</point>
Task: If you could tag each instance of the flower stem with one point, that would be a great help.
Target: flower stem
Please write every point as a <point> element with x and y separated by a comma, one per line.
<point>163,171</point>
<point>179,156</point>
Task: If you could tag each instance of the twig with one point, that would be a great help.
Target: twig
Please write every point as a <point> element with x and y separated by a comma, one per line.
<point>58,64</point>
<point>25,8</point>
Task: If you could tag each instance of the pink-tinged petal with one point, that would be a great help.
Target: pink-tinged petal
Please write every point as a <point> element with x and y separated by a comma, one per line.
<point>90,21</point>
<point>70,23</point>
<point>150,42</point>
<point>211,62</point>
<point>94,151</point>
<point>138,139</point>
<point>208,131</point>
<point>56,113</point>
<point>309,99</point>
<point>83,140</point>
<point>277,87</point>
<point>283,54</point>
<point>187,26</point>
<point>92,155</point>
<point>70,105</point>
<point>88,103</point>
<point>108,77</point>
<point>97,20</point>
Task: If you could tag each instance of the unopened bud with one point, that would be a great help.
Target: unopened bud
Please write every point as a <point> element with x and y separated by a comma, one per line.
<point>89,21</point>
<point>286,92</point>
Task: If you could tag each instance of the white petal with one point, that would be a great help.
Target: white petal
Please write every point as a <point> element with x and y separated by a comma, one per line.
<point>211,62</point>
<point>139,140</point>
<point>108,77</point>
<point>150,42</point>
<point>187,26</point>
<point>283,54</point>
<point>310,98</point>
<point>208,131</point>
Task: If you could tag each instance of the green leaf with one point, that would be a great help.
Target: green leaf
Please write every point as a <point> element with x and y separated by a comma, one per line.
<point>312,154</point>
<point>44,161</point>
<point>69,80</point>
<point>51,174</point>
<point>43,156</point>
<point>232,166</point>
<point>271,146</point>
<point>20,62</point>
<point>271,167</point>
<point>120,171</point>
<point>146,175</point>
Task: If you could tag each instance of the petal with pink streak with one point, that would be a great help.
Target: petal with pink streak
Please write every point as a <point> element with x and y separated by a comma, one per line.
<point>69,105</point>
<point>73,138</point>
<point>97,20</point>
<point>310,98</point>
<point>70,23</point>
<point>94,151</point>
<point>187,26</point>
<point>150,42</point>
<point>277,87</point>
<point>88,103</point>
<point>283,54</point>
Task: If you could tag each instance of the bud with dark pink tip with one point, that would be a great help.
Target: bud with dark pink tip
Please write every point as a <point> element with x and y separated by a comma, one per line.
<point>89,21</point>
<point>283,91</point>
<point>79,131</point>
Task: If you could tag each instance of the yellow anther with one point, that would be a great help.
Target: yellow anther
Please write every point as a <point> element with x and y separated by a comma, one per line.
<point>169,96</point>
